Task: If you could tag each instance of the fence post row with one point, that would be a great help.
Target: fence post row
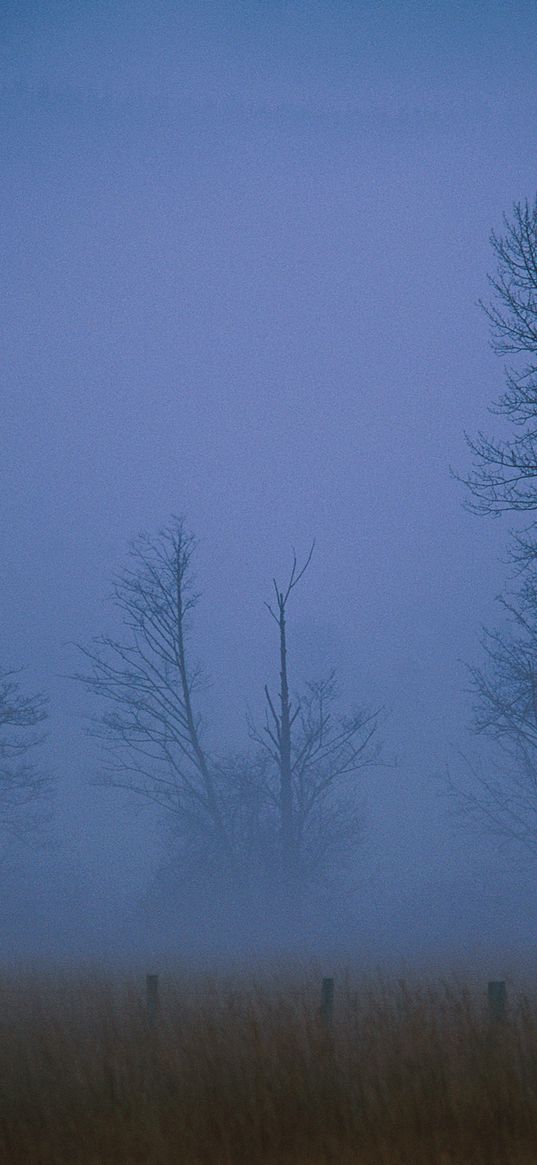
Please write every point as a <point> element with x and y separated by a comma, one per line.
<point>496,997</point>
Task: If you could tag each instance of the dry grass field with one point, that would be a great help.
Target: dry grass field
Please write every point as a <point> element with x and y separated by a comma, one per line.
<point>239,1072</point>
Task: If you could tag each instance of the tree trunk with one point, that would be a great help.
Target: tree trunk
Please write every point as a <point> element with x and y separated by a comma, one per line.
<point>288,847</point>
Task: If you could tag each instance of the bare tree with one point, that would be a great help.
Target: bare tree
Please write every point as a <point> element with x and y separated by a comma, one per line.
<point>149,684</point>
<point>314,750</point>
<point>504,475</point>
<point>273,815</point>
<point>24,788</point>
<point>504,478</point>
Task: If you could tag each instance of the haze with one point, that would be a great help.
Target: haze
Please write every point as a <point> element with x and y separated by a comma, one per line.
<point>243,248</point>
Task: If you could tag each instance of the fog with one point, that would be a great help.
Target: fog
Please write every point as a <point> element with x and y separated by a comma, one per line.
<point>243,249</point>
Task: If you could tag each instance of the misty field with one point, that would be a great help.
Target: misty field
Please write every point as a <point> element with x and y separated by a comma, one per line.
<point>237,1071</point>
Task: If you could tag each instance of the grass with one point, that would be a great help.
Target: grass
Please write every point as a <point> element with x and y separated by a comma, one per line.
<point>243,1072</point>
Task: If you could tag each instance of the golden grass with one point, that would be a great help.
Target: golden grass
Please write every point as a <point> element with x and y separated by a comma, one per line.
<point>247,1073</point>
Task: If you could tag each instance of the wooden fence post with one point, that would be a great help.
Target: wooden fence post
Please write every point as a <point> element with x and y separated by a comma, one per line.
<point>497,1000</point>
<point>327,1000</point>
<point>151,998</point>
<point>402,1002</point>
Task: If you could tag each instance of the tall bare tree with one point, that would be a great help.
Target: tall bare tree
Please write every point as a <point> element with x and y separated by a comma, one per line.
<point>149,685</point>
<point>24,788</point>
<point>504,478</point>
<point>315,751</point>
